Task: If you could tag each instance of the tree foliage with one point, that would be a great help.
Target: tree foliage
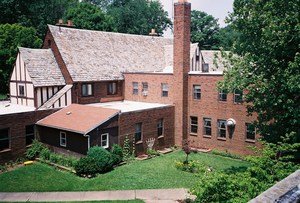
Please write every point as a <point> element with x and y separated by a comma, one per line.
<point>88,16</point>
<point>204,29</point>
<point>12,37</point>
<point>139,16</point>
<point>266,63</point>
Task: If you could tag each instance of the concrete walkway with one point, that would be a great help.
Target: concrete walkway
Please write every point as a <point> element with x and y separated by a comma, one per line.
<point>149,196</point>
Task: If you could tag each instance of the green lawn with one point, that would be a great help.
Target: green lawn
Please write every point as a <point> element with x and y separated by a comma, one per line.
<point>158,172</point>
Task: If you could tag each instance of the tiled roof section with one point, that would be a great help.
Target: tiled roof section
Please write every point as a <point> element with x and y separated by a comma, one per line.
<point>42,67</point>
<point>214,59</point>
<point>78,118</point>
<point>95,55</point>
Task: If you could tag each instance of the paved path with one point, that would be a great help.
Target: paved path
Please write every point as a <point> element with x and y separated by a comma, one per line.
<point>149,196</point>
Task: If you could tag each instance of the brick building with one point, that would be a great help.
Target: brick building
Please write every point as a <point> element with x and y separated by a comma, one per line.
<point>164,88</point>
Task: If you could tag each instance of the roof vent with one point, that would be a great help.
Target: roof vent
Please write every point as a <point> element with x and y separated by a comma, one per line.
<point>205,67</point>
<point>68,113</point>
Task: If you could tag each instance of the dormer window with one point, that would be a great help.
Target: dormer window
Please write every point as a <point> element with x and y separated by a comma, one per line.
<point>205,67</point>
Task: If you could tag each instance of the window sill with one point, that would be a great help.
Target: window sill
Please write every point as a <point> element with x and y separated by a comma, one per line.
<point>250,141</point>
<point>194,134</point>
<point>207,136</point>
<point>221,138</point>
<point>224,102</point>
<point>160,137</point>
<point>139,142</point>
<point>5,150</point>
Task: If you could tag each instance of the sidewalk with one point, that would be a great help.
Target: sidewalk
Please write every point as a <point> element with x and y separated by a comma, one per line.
<point>149,196</point>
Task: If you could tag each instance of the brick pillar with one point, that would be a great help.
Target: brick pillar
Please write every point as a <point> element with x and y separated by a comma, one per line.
<point>182,24</point>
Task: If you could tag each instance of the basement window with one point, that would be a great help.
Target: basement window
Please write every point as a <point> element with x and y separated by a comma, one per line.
<point>135,88</point>
<point>87,90</point>
<point>194,125</point>
<point>105,140</point>
<point>160,127</point>
<point>21,90</point>
<point>63,139</point>
<point>207,126</point>
<point>164,89</point>
<point>29,134</point>
<point>4,139</point>
<point>197,92</point>
<point>112,88</point>
<point>222,128</point>
<point>238,96</point>
<point>138,132</point>
<point>250,131</point>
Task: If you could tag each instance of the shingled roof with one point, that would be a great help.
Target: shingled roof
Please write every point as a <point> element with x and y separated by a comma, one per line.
<point>96,55</point>
<point>42,67</point>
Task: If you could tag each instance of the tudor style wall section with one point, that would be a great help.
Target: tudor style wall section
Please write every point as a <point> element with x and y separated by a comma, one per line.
<point>182,23</point>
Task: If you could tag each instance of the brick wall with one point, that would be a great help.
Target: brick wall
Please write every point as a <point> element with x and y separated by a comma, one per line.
<point>149,119</point>
<point>209,106</point>
<point>17,128</point>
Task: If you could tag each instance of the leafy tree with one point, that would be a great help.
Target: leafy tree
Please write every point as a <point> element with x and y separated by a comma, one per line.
<point>266,63</point>
<point>226,37</point>
<point>89,16</point>
<point>139,16</point>
<point>103,4</point>
<point>204,29</point>
<point>12,37</point>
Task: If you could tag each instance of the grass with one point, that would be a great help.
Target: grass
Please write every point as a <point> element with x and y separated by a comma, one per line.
<point>159,172</point>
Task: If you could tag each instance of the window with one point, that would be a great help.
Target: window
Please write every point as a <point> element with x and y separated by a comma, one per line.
<point>222,128</point>
<point>4,139</point>
<point>205,67</point>
<point>21,90</point>
<point>29,134</point>
<point>138,132</point>
<point>63,139</point>
<point>160,127</point>
<point>250,131</point>
<point>87,90</point>
<point>194,124</point>
<point>135,89</point>
<point>222,95</point>
<point>105,140</point>
<point>197,91</point>
<point>238,96</point>
<point>112,88</point>
<point>145,87</point>
<point>165,89</point>
<point>207,126</point>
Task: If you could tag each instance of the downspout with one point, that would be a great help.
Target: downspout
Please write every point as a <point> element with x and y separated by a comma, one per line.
<point>89,144</point>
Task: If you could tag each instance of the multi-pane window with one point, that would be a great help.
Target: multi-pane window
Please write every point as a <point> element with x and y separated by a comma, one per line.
<point>197,91</point>
<point>238,96</point>
<point>160,127</point>
<point>87,89</point>
<point>250,131</point>
<point>105,140</point>
<point>222,128</point>
<point>207,126</point>
<point>222,95</point>
<point>138,132</point>
<point>165,89</point>
<point>4,139</point>
<point>21,90</point>
<point>112,88</point>
<point>29,134</point>
<point>194,124</point>
<point>63,139</point>
<point>135,88</point>
<point>145,87</point>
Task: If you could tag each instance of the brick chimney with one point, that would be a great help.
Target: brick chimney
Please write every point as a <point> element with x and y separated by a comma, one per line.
<point>181,68</point>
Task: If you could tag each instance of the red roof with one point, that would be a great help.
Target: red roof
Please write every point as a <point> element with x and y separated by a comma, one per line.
<point>78,118</point>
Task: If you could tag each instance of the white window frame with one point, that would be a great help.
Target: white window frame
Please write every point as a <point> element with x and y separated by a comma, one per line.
<point>196,92</point>
<point>88,87</point>
<point>220,121</point>
<point>164,89</point>
<point>205,126</point>
<point>107,141</point>
<point>62,136</point>
<point>236,95</point>
<point>193,124</point>
<point>112,88</point>
<point>221,93</point>
<point>135,88</point>
<point>19,92</point>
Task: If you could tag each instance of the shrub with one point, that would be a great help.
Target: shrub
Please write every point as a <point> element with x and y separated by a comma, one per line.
<point>117,154</point>
<point>86,166</point>
<point>102,157</point>
<point>45,154</point>
<point>34,150</point>
<point>226,154</point>
<point>192,167</point>
<point>127,153</point>
<point>152,152</point>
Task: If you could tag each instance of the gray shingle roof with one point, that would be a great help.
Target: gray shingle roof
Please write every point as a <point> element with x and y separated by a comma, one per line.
<point>95,55</point>
<point>42,67</point>
<point>214,59</point>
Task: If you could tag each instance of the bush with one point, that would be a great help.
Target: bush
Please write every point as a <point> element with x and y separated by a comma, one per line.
<point>34,150</point>
<point>117,154</point>
<point>152,152</point>
<point>45,154</point>
<point>127,152</point>
<point>192,167</point>
<point>86,166</point>
<point>102,157</point>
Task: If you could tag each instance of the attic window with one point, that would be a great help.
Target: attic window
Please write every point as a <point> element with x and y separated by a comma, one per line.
<point>205,67</point>
<point>21,90</point>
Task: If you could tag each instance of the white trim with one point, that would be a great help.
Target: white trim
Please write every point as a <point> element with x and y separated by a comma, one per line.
<point>61,138</point>
<point>107,141</point>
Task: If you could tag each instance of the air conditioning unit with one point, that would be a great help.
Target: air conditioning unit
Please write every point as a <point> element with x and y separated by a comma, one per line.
<point>145,93</point>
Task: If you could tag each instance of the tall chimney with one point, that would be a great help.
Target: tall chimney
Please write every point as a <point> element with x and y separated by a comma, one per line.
<point>181,68</point>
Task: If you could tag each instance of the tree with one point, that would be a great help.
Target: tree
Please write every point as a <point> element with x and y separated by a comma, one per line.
<point>139,16</point>
<point>12,37</point>
<point>226,37</point>
<point>266,63</point>
<point>204,29</point>
<point>89,16</point>
<point>103,4</point>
